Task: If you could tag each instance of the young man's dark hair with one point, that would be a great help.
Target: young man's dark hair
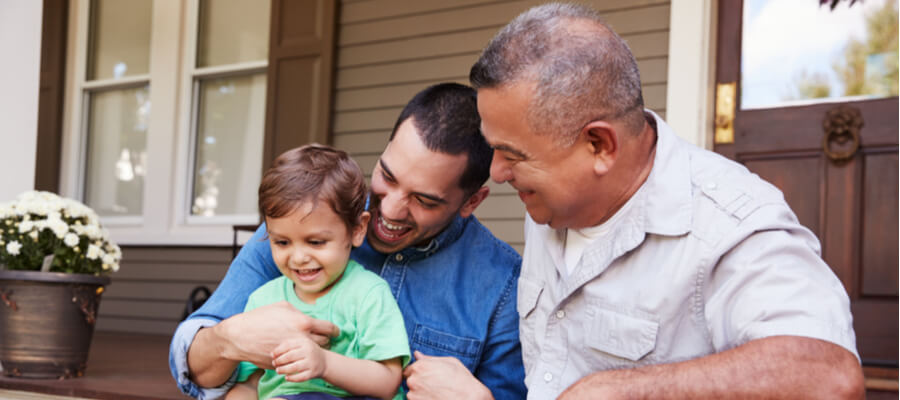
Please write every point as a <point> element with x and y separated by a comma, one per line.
<point>446,116</point>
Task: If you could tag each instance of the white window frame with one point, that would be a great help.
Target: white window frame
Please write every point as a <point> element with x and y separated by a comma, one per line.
<point>173,81</point>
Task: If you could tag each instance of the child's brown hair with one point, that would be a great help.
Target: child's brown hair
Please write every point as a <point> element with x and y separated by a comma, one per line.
<point>314,173</point>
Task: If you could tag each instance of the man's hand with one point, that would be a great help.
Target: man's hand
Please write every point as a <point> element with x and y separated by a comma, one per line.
<point>442,378</point>
<point>250,336</point>
<point>299,359</point>
<point>253,335</point>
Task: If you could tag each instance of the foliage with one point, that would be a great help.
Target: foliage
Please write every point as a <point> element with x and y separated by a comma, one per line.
<point>879,49</point>
<point>40,224</point>
<point>866,67</point>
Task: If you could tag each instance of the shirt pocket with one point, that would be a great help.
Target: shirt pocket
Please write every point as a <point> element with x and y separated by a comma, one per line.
<point>621,335</point>
<point>528,295</point>
<point>433,342</point>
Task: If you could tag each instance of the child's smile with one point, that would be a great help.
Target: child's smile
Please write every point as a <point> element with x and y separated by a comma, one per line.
<point>311,246</point>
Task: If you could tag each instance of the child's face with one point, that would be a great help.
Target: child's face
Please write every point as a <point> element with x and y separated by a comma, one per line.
<point>311,246</point>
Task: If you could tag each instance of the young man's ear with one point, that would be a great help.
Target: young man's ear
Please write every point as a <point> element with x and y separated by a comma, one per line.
<point>603,141</point>
<point>359,232</point>
<point>473,201</point>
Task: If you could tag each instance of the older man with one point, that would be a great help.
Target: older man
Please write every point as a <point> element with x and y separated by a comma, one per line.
<point>652,268</point>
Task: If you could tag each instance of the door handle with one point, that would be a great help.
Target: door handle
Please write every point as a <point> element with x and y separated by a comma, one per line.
<point>842,123</point>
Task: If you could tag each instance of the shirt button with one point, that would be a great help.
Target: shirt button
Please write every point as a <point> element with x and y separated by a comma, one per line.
<point>548,377</point>
<point>560,314</point>
<point>398,257</point>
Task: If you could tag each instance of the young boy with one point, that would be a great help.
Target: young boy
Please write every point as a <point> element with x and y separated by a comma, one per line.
<point>313,201</point>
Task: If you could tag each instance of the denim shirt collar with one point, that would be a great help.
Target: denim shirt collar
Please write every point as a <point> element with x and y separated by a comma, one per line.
<point>449,235</point>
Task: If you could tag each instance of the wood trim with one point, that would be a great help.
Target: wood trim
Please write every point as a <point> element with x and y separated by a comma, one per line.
<point>300,75</point>
<point>54,31</point>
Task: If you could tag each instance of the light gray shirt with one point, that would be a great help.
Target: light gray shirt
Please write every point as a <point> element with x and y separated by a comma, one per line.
<point>708,257</point>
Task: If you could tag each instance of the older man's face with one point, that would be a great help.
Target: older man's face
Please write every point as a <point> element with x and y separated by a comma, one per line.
<point>415,192</point>
<point>550,179</point>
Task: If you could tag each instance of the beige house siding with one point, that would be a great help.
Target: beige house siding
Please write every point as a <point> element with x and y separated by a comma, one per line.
<point>390,49</point>
<point>148,293</point>
<point>387,51</point>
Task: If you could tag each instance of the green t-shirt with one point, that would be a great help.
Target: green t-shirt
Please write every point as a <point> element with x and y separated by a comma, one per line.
<point>361,305</point>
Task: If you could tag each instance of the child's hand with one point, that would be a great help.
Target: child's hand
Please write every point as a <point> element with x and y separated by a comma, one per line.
<point>299,359</point>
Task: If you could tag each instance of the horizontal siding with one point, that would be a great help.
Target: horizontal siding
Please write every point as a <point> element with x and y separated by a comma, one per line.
<point>388,50</point>
<point>149,292</point>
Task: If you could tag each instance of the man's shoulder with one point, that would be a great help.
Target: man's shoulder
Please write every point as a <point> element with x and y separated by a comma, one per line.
<point>731,199</point>
<point>358,278</point>
<point>481,242</point>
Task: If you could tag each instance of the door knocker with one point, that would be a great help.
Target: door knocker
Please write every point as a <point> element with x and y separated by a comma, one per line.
<point>841,124</point>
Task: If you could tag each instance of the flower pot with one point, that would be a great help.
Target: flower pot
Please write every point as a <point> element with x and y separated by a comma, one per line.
<point>46,322</point>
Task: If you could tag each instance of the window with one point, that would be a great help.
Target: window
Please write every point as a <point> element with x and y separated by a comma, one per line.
<point>165,113</point>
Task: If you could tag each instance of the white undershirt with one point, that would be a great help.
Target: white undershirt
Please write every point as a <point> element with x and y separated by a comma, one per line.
<point>577,240</point>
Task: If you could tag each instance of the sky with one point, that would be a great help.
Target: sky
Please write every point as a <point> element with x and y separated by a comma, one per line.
<point>781,38</point>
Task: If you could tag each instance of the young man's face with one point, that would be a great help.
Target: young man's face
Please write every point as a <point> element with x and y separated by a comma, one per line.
<point>550,179</point>
<point>311,247</point>
<point>415,192</point>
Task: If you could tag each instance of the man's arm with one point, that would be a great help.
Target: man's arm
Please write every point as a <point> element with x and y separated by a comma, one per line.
<point>788,367</point>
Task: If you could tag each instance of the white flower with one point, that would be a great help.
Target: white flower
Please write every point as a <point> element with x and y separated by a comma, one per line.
<point>59,227</point>
<point>13,247</point>
<point>6,210</point>
<point>71,239</point>
<point>70,221</point>
<point>92,232</point>
<point>54,215</point>
<point>25,226</point>
<point>93,252</point>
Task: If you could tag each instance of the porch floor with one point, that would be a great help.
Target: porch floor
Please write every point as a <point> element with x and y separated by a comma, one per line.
<point>126,366</point>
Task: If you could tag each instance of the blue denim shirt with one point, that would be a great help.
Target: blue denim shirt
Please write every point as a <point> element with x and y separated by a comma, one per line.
<point>457,296</point>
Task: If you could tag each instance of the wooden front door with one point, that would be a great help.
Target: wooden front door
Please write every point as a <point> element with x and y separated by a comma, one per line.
<point>833,156</point>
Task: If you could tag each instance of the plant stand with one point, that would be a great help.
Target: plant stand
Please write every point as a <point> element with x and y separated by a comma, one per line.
<point>46,322</point>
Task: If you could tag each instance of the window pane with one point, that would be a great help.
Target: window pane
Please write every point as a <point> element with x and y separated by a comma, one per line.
<point>797,52</point>
<point>119,38</point>
<point>232,31</point>
<point>117,151</point>
<point>228,158</point>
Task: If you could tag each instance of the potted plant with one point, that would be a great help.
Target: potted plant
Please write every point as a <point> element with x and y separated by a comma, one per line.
<point>54,262</point>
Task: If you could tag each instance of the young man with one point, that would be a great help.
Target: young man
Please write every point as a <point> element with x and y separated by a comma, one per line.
<point>454,281</point>
<point>652,268</point>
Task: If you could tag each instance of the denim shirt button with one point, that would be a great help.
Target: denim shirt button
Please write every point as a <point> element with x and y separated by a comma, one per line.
<point>398,257</point>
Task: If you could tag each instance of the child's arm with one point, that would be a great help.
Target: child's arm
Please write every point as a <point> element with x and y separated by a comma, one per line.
<point>301,359</point>
<point>246,390</point>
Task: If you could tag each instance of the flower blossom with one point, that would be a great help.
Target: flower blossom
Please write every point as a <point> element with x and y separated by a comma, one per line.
<point>71,239</point>
<point>26,226</point>
<point>13,247</point>
<point>93,252</point>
